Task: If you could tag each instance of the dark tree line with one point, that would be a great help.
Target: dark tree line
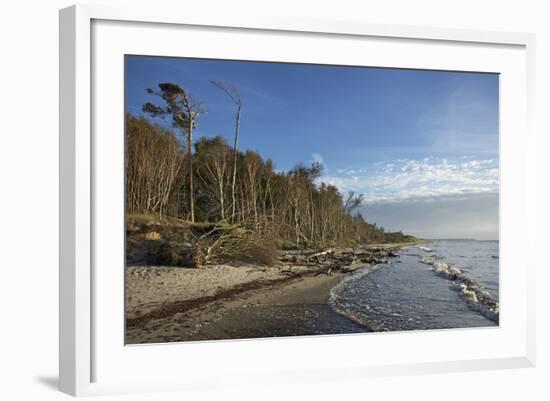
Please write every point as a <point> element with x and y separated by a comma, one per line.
<point>170,175</point>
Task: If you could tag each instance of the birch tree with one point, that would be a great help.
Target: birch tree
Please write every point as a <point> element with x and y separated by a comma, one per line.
<point>233,92</point>
<point>212,159</point>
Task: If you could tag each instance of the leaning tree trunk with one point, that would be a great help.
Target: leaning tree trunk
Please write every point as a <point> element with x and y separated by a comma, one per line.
<point>235,164</point>
<point>190,155</point>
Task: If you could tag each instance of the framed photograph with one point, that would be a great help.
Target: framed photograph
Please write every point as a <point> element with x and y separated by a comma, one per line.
<point>272,200</point>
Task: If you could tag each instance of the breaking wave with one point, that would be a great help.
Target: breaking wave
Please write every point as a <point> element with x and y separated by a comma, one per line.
<point>408,296</point>
<point>473,293</point>
<point>425,249</point>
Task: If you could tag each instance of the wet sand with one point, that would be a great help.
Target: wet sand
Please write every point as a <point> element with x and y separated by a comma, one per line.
<point>172,304</point>
<point>297,309</point>
<point>273,307</point>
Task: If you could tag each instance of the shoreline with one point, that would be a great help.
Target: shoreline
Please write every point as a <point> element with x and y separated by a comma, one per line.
<point>277,306</point>
<point>170,304</point>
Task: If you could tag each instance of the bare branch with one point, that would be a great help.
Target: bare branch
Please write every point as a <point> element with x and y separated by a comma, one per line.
<point>230,90</point>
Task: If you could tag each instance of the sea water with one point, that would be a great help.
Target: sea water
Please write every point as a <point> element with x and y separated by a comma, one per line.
<point>408,294</point>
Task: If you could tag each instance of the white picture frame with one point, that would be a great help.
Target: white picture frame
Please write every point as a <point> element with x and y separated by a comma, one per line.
<point>86,350</point>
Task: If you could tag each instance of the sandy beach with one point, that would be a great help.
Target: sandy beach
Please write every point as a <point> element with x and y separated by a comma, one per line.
<point>218,302</point>
<point>170,304</point>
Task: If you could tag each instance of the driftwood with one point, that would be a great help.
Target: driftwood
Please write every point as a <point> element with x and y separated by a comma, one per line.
<point>327,272</point>
<point>211,247</point>
<point>322,253</point>
<point>332,260</point>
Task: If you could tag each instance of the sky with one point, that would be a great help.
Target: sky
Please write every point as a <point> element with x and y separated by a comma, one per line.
<point>422,146</point>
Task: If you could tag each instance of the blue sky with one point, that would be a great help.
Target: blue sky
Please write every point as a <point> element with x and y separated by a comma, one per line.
<point>412,141</point>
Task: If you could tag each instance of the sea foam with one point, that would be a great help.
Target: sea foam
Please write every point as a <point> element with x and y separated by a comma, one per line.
<point>345,306</point>
<point>474,294</point>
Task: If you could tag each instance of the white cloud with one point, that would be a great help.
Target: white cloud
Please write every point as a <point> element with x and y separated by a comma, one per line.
<point>413,180</point>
